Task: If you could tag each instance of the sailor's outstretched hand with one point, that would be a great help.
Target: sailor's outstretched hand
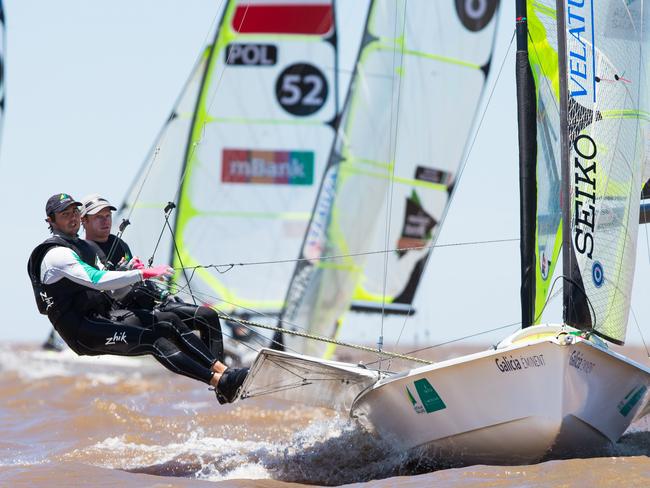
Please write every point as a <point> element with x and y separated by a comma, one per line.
<point>162,271</point>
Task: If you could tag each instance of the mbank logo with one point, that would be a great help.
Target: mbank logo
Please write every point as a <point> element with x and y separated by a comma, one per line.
<point>268,167</point>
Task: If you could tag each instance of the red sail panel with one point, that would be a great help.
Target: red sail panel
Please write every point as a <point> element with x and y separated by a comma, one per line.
<point>309,19</point>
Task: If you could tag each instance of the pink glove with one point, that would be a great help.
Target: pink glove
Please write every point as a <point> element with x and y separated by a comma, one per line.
<point>161,271</point>
<point>135,263</point>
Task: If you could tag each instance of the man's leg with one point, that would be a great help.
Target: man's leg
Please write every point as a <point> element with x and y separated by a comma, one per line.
<point>203,319</point>
<point>230,379</point>
<point>125,335</point>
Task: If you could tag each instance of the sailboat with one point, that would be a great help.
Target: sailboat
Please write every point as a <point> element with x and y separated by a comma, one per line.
<point>241,156</point>
<point>549,389</point>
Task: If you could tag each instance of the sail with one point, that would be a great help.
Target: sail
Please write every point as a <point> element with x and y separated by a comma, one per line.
<point>543,57</point>
<point>242,154</point>
<point>405,125</point>
<point>157,181</point>
<point>605,113</point>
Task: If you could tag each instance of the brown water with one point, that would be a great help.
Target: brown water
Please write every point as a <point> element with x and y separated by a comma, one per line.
<point>67,421</point>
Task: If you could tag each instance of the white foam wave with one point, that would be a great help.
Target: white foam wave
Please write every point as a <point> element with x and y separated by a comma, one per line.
<point>39,364</point>
<point>22,461</point>
<point>312,455</point>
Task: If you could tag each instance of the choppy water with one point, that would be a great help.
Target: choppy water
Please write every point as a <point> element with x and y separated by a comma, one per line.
<point>67,421</point>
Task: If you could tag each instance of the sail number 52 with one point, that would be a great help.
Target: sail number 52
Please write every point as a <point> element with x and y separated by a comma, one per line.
<point>301,89</point>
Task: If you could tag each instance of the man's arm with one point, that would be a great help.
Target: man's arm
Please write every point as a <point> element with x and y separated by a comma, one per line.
<point>62,262</point>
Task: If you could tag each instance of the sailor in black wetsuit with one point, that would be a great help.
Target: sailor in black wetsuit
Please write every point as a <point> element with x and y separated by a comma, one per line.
<point>73,294</point>
<point>96,217</point>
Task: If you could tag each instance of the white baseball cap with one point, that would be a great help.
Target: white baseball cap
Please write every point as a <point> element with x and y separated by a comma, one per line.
<point>91,204</point>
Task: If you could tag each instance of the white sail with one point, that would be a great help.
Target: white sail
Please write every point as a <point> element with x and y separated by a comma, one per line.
<point>605,79</point>
<point>243,155</point>
<point>413,99</point>
<point>158,179</point>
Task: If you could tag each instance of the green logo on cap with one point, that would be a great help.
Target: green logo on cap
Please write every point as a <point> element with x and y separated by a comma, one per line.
<point>63,196</point>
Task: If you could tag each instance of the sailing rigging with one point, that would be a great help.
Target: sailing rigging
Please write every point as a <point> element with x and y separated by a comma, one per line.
<point>546,390</point>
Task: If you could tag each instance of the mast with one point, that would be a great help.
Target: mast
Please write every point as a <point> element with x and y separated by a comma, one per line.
<point>526,112</point>
<point>575,307</point>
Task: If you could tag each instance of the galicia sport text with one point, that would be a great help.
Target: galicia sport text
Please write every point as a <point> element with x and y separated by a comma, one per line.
<point>507,364</point>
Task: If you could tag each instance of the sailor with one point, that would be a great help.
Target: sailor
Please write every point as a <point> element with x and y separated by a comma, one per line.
<point>97,220</point>
<point>73,294</point>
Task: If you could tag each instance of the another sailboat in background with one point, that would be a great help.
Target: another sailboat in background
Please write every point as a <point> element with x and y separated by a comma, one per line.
<point>242,154</point>
<point>547,390</point>
<point>405,128</point>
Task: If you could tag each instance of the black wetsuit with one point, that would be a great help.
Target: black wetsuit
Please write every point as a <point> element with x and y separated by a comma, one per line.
<point>73,296</point>
<point>150,297</point>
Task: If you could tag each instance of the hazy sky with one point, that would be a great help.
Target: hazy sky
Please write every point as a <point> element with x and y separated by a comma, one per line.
<point>89,85</point>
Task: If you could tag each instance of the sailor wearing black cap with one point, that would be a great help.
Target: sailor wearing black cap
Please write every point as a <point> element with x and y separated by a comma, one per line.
<point>71,292</point>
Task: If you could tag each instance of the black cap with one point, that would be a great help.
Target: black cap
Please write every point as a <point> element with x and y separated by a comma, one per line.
<point>58,203</point>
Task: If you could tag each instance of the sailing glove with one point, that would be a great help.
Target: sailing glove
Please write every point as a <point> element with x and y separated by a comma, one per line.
<point>161,271</point>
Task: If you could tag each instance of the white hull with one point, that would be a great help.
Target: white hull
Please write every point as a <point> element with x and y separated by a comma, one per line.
<point>537,395</point>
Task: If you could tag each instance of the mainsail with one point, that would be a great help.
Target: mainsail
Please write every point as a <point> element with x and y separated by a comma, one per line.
<point>242,154</point>
<point>412,102</point>
<point>605,114</point>
<point>543,58</point>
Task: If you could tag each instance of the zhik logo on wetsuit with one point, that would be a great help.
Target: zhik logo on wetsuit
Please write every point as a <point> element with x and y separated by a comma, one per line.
<point>116,338</point>
<point>49,301</point>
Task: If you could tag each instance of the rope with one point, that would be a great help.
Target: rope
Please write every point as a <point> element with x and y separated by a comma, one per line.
<point>393,130</point>
<point>325,339</point>
<point>640,332</point>
<point>229,266</point>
